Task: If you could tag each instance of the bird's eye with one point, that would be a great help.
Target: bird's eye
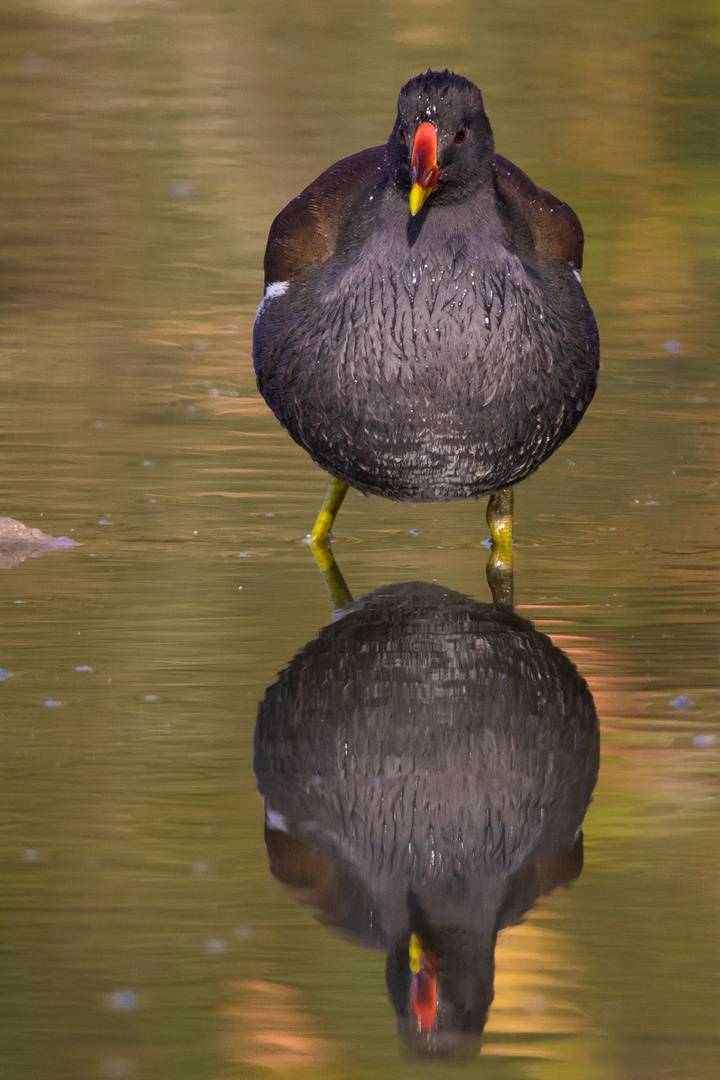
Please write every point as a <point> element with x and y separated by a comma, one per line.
<point>460,135</point>
<point>401,134</point>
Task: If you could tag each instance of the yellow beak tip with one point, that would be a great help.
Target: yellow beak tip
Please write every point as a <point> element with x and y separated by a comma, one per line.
<point>418,196</point>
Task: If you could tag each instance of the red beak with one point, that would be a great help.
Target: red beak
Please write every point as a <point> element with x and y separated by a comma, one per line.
<point>425,169</point>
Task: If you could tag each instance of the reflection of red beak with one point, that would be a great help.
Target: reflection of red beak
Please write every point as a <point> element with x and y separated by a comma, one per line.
<point>424,991</point>
<point>425,169</point>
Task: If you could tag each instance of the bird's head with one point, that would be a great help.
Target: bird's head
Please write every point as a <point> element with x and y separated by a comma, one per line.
<point>442,142</point>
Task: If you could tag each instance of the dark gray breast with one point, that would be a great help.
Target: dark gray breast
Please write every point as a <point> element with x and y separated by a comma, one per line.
<point>436,368</point>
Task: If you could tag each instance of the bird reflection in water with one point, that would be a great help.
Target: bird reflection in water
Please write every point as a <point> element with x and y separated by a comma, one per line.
<point>426,763</point>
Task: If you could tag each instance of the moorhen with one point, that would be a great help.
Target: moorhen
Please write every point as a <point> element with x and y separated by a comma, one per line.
<point>424,334</point>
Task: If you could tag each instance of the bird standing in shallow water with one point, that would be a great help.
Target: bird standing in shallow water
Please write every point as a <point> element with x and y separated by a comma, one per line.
<point>424,334</point>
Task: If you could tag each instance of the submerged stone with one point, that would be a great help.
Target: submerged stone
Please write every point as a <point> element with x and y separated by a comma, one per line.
<point>18,542</point>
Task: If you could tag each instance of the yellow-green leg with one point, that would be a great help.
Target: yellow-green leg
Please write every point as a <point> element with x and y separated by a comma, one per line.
<point>500,563</point>
<point>326,518</point>
<point>320,544</point>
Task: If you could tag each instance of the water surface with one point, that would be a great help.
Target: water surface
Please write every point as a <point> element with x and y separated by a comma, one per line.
<point>145,149</point>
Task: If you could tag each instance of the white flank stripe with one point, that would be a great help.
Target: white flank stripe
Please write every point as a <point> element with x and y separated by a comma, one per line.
<point>277,288</point>
<point>276,820</point>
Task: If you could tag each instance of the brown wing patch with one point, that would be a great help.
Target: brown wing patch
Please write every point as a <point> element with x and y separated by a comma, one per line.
<point>306,230</point>
<point>534,215</point>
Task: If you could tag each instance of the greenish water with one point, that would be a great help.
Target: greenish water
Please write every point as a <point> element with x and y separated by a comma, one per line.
<point>144,150</point>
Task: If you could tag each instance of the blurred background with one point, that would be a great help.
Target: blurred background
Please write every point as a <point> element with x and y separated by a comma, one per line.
<point>145,146</point>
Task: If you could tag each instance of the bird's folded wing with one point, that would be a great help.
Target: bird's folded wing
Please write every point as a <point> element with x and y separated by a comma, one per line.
<point>306,230</point>
<point>554,227</point>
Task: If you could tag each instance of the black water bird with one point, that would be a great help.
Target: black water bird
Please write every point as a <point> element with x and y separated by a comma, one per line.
<point>424,334</point>
<point>426,763</point>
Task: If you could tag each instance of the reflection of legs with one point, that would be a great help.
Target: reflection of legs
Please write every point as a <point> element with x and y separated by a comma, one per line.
<point>339,592</point>
<point>320,544</point>
<point>500,564</point>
